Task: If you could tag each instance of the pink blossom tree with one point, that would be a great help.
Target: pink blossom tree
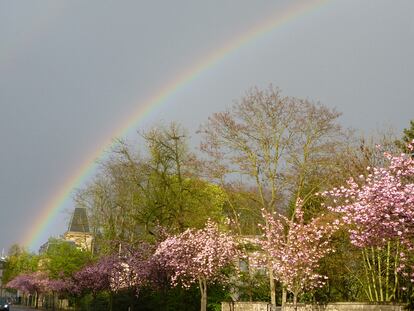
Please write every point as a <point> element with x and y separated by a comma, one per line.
<point>32,283</point>
<point>378,209</point>
<point>134,268</point>
<point>95,277</point>
<point>294,248</point>
<point>59,285</point>
<point>131,268</point>
<point>22,283</point>
<point>197,256</point>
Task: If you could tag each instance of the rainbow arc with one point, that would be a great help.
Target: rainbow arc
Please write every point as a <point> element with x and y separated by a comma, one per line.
<point>177,83</point>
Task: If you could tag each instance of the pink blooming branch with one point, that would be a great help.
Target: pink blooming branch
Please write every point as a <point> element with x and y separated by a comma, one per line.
<point>95,277</point>
<point>36,282</point>
<point>294,249</point>
<point>135,267</point>
<point>196,254</point>
<point>379,207</point>
<point>59,286</point>
<point>132,268</point>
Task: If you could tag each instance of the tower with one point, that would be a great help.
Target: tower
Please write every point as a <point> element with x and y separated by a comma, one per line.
<point>78,230</point>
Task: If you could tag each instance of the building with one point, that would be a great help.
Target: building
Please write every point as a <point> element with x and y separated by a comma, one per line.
<point>78,230</point>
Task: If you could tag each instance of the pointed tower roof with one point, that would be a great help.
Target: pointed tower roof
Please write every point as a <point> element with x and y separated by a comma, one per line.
<point>79,221</point>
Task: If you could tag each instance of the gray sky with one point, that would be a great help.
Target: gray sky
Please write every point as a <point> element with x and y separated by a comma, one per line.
<point>72,71</point>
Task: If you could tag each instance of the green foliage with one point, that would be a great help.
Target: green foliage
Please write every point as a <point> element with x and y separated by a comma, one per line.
<point>19,261</point>
<point>63,258</point>
<point>253,286</point>
<point>216,294</point>
<point>344,270</point>
<point>133,195</point>
<point>408,136</point>
<point>99,302</point>
<point>169,299</point>
<point>203,201</point>
<point>242,210</point>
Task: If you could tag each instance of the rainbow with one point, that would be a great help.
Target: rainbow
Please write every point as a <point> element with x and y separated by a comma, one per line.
<point>89,166</point>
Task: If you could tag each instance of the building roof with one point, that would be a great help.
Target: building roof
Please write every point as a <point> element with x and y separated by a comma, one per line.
<point>79,221</point>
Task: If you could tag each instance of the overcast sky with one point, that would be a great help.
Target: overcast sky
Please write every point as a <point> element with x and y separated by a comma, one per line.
<point>72,71</point>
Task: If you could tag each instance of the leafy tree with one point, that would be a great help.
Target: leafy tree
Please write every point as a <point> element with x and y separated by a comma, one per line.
<point>62,259</point>
<point>19,261</point>
<point>133,195</point>
<point>176,190</point>
<point>407,138</point>
<point>344,270</point>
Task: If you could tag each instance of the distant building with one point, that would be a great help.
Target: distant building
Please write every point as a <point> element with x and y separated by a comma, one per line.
<point>78,233</point>
<point>78,230</point>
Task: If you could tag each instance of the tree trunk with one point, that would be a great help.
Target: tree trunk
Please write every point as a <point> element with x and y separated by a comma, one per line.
<point>94,301</point>
<point>203,292</point>
<point>133,295</point>
<point>295,301</point>
<point>111,300</point>
<point>272,287</point>
<point>284,297</point>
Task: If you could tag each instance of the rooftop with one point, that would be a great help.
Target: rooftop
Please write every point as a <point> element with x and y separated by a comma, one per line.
<point>79,221</point>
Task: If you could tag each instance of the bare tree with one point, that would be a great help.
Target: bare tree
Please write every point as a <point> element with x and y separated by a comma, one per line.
<point>273,143</point>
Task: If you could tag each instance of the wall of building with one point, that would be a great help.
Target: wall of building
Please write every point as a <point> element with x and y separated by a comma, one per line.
<point>83,240</point>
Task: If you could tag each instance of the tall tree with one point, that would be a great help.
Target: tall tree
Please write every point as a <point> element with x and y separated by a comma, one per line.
<point>177,189</point>
<point>274,144</point>
<point>19,261</point>
<point>134,194</point>
<point>62,259</point>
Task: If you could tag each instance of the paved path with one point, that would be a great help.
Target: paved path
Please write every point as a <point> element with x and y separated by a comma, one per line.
<point>23,308</point>
<point>20,308</point>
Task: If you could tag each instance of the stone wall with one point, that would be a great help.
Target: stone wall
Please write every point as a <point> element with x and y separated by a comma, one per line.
<point>246,306</point>
<point>346,306</point>
<point>338,306</point>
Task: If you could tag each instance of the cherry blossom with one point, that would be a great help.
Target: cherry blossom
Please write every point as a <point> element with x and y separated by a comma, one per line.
<point>134,268</point>
<point>197,256</point>
<point>379,206</point>
<point>95,277</point>
<point>293,249</point>
<point>379,210</point>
